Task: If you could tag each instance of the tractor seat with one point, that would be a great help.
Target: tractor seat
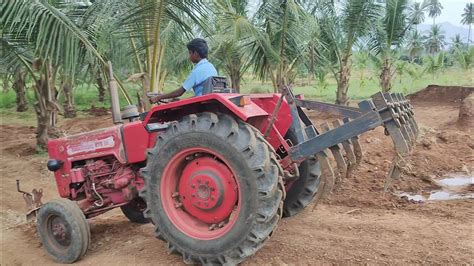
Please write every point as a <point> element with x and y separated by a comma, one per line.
<point>216,85</point>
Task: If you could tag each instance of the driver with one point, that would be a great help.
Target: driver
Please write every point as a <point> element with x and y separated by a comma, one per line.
<point>203,69</point>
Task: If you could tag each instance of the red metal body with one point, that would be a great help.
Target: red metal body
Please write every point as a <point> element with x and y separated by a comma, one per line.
<point>100,169</point>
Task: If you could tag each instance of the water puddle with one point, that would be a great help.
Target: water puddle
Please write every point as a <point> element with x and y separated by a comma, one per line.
<point>457,181</point>
<point>437,195</point>
<point>455,187</point>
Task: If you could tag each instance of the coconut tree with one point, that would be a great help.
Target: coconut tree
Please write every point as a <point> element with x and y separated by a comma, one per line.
<point>416,12</point>
<point>415,44</point>
<point>435,9</point>
<point>400,69</point>
<point>435,63</point>
<point>457,43</point>
<point>42,76</point>
<point>284,42</point>
<point>435,40</point>
<point>233,33</point>
<point>415,71</point>
<point>362,61</point>
<point>388,36</point>
<point>229,57</point>
<point>465,57</point>
<point>342,25</point>
<point>56,43</point>
<point>19,86</point>
<point>8,65</point>
<point>143,22</point>
<point>468,19</point>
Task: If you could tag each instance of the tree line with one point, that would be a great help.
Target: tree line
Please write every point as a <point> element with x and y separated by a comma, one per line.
<point>54,45</point>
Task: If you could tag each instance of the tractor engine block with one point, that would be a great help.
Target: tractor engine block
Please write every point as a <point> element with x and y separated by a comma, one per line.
<point>100,185</point>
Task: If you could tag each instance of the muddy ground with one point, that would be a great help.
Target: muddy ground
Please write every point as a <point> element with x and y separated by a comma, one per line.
<point>359,223</point>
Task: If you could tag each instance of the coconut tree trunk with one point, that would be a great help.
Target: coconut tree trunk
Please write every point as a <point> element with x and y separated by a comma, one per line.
<point>156,46</point>
<point>282,74</point>
<point>68,105</point>
<point>100,85</point>
<point>274,81</point>
<point>161,84</point>
<point>311,65</point>
<point>235,77</point>
<point>46,107</point>
<point>343,84</point>
<point>43,113</point>
<point>19,85</point>
<point>386,76</point>
<point>235,82</point>
<point>160,72</point>
<point>6,81</point>
<point>469,35</point>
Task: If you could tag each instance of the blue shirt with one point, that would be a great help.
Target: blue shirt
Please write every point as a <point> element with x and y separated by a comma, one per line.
<point>201,72</point>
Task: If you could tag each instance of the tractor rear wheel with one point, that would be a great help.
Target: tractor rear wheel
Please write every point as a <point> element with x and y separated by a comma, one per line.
<point>63,230</point>
<point>302,191</point>
<point>134,211</point>
<point>213,188</point>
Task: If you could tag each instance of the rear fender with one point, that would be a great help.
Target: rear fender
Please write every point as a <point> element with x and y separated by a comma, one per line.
<point>256,113</point>
<point>207,103</point>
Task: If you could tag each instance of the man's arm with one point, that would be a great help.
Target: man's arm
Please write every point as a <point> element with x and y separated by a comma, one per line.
<point>188,84</point>
<point>171,95</point>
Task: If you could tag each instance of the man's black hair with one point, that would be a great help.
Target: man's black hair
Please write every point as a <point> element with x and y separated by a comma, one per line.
<point>200,46</point>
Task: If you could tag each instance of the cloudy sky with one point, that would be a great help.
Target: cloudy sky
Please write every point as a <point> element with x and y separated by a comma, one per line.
<point>452,10</point>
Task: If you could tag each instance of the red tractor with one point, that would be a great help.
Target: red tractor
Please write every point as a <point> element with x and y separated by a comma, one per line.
<point>214,173</point>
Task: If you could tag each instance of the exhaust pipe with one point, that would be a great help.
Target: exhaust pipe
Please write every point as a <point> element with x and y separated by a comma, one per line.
<point>114,98</point>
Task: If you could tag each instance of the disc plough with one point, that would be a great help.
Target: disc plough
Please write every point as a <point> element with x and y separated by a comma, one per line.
<point>340,137</point>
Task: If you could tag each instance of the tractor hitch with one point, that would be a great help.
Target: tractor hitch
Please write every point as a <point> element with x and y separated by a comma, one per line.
<point>33,200</point>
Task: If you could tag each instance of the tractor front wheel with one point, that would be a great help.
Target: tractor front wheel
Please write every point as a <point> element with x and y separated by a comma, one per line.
<point>214,189</point>
<point>63,230</point>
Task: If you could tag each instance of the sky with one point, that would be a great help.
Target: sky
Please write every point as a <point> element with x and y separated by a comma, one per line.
<point>452,10</point>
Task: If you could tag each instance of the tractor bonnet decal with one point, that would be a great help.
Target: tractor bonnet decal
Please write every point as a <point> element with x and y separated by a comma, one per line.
<point>91,145</point>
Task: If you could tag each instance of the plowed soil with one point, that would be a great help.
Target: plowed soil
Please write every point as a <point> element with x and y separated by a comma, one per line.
<point>359,223</point>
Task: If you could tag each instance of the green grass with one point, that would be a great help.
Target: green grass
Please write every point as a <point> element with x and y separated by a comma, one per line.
<point>364,88</point>
<point>9,116</point>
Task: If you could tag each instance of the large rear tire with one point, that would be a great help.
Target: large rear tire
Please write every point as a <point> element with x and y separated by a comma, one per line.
<point>213,188</point>
<point>303,190</point>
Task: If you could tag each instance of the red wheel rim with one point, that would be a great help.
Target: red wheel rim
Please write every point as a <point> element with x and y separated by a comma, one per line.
<point>200,194</point>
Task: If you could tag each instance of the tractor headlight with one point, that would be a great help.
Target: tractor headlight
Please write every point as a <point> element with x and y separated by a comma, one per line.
<point>54,165</point>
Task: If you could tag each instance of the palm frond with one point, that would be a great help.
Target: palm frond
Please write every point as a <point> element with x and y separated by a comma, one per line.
<point>358,18</point>
<point>53,34</point>
<point>395,21</point>
<point>14,55</point>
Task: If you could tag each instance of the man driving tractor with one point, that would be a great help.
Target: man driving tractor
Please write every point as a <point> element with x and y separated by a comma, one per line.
<point>203,69</point>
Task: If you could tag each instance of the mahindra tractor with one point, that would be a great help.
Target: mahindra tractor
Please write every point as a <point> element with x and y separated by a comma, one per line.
<point>214,174</point>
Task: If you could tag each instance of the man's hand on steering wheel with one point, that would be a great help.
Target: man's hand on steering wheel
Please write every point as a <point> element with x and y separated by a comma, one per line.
<point>154,98</point>
<point>157,98</point>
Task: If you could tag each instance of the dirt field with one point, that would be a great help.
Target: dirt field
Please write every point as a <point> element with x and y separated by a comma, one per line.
<point>359,223</point>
